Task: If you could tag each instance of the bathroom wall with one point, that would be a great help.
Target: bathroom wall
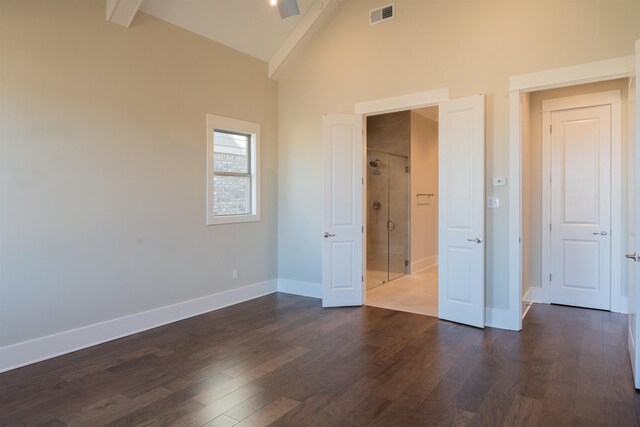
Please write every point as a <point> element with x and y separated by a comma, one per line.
<point>424,180</point>
<point>390,133</point>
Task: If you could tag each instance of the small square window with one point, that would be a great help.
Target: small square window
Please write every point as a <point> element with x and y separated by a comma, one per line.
<point>232,178</point>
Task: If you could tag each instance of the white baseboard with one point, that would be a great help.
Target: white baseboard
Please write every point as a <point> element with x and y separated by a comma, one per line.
<point>424,263</point>
<point>36,350</point>
<point>498,318</point>
<point>526,302</point>
<point>536,294</point>
<point>297,287</point>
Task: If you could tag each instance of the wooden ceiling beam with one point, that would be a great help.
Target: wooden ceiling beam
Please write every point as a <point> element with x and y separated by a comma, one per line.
<point>122,12</point>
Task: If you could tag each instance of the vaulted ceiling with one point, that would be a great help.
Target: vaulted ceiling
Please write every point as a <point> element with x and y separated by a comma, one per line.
<point>250,26</point>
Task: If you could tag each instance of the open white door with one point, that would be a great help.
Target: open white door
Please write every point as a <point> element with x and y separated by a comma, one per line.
<point>461,292</point>
<point>342,258</point>
<point>634,227</point>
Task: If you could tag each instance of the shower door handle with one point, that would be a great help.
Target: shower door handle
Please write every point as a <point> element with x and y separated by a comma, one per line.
<point>389,223</point>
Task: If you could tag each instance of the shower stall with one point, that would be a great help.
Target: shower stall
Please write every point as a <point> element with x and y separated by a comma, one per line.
<point>387,217</point>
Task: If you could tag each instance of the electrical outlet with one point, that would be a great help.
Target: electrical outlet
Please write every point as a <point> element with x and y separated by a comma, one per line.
<point>234,274</point>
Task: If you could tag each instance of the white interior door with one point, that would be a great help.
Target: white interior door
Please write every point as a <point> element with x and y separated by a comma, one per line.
<point>581,207</point>
<point>342,257</point>
<point>634,225</point>
<point>461,281</point>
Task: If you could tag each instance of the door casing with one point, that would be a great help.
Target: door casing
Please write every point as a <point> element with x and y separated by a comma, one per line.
<point>382,106</point>
<point>409,102</point>
<point>611,69</point>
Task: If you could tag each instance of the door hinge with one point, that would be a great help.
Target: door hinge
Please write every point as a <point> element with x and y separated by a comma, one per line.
<point>362,278</point>
<point>406,262</point>
<point>550,128</point>
<point>363,229</point>
<point>549,227</point>
<point>550,277</point>
<point>406,169</point>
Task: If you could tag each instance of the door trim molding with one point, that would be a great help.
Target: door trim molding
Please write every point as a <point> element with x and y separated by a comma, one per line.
<point>411,101</point>
<point>614,100</point>
<point>429,98</point>
<point>609,69</point>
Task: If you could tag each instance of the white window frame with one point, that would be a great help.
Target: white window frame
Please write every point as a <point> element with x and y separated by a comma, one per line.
<point>219,123</point>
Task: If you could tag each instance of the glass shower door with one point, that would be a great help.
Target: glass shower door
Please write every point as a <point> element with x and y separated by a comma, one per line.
<point>398,229</point>
<point>387,217</point>
<point>377,217</point>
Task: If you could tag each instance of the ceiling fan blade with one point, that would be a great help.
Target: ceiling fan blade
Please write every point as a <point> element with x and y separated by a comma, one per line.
<point>288,8</point>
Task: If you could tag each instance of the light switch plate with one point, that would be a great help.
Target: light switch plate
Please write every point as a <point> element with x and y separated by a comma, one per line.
<point>499,181</point>
<point>493,202</point>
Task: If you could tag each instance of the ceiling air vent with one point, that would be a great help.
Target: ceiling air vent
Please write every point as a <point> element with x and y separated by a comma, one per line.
<point>382,14</point>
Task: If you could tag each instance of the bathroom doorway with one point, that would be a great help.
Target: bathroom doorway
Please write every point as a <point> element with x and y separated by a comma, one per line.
<point>402,211</point>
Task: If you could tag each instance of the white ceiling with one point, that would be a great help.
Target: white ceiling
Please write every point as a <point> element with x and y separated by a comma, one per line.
<point>250,26</point>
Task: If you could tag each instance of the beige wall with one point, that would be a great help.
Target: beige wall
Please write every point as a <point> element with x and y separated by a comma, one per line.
<point>468,46</point>
<point>532,175</point>
<point>424,179</point>
<point>103,167</point>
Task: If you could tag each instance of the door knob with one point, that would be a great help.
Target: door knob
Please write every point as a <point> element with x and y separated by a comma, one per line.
<point>601,233</point>
<point>477,240</point>
<point>634,256</point>
<point>327,235</point>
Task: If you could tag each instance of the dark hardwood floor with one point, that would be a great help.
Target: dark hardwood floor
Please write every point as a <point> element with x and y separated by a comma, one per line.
<point>283,360</point>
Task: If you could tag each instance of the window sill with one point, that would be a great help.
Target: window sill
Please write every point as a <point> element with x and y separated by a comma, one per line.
<point>233,219</point>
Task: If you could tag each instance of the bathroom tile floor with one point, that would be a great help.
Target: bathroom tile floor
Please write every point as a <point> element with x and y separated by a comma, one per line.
<point>375,278</point>
<point>415,293</point>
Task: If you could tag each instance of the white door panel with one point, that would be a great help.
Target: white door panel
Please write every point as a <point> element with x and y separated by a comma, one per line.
<point>461,286</point>
<point>342,211</point>
<point>581,207</point>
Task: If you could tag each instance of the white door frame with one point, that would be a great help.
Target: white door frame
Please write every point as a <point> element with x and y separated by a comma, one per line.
<point>613,99</point>
<point>412,101</point>
<point>622,67</point>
